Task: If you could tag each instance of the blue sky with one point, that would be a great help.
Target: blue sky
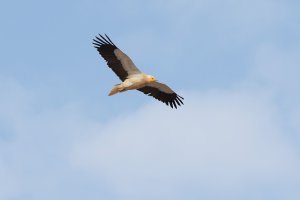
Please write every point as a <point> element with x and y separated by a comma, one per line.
<point>235,62</point>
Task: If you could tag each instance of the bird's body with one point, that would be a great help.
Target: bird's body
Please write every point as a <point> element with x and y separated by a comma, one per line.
<point>134,81</point>
<point>132,78</point>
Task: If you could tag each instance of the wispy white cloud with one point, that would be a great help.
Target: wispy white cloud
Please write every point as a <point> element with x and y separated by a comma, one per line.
<point>35,145</point>
<point>276,70</point>
<point>221,145</point>
<point>221,141</point>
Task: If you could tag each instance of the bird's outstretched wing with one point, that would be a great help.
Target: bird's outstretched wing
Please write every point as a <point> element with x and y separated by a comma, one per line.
<point>162,93</point>
<point>118,61</point>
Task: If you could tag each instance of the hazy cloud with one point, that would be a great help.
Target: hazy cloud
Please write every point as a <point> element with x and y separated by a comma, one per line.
<point>221,141</point>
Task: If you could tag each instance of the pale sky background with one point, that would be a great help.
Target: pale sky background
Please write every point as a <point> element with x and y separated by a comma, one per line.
<point>237,63</point>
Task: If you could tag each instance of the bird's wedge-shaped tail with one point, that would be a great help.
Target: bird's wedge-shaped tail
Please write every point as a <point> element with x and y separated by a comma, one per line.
<point>116,89</point>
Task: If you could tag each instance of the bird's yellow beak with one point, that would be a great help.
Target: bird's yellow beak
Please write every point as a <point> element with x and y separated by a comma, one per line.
<point>151,78</point>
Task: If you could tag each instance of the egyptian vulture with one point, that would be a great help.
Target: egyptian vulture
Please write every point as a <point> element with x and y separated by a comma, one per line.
<point>132,78</point>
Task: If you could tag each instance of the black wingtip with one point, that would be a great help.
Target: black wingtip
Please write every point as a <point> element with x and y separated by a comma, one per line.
<point>109,39</point>
<point>101,40</point>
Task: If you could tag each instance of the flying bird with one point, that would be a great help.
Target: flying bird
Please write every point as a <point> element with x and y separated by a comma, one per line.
<point>131,77</point>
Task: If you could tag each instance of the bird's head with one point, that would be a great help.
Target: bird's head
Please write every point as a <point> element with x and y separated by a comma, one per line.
<point>151,78</point>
